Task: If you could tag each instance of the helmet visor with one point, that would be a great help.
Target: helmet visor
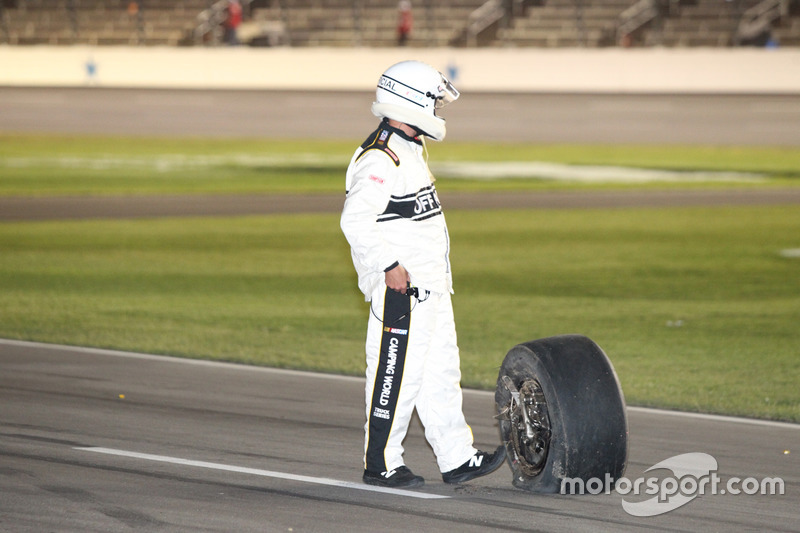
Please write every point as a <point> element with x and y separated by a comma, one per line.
<point>449,94</point>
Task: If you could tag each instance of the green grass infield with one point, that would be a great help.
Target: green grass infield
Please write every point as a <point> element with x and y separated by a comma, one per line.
<point>697,308</point>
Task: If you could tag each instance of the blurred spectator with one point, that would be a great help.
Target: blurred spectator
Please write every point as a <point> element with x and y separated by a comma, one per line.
<point>232,22</point>
<point>404,22</point>
<point>135,16</point>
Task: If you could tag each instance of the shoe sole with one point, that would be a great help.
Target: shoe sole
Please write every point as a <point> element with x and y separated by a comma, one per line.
<point>414,483</point>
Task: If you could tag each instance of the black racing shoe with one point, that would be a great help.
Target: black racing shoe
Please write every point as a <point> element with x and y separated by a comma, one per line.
<point>480,464</point>
<point>399,478</point>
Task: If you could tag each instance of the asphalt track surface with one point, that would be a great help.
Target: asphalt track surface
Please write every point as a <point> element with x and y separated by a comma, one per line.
<point>772,120</point>
<point>92,440</point>
<point>103,441</point>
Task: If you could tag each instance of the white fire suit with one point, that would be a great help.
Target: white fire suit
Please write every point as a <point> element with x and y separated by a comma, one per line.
<point>392,216</point>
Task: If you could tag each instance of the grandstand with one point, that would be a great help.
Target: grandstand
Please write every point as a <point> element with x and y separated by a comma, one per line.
<point>372,23</point>
<point>100,22</point>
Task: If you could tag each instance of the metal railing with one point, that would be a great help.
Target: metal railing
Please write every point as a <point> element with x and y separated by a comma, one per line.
<point>760,17</point>
<point>483,17</point>
<point>635,17</point>
<point>491,12</point>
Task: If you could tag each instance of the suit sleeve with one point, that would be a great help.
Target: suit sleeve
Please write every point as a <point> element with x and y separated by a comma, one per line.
<point>371,181</point>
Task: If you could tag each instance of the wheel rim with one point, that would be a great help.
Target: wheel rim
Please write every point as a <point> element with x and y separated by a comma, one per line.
<point>530,427</point>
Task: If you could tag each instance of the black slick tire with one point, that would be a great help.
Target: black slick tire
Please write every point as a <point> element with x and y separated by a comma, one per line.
<point>581,406</point>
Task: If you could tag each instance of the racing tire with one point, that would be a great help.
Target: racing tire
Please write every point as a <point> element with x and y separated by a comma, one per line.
<point>573,436</point>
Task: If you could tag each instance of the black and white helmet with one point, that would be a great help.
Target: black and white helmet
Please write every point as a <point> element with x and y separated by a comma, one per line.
<point>411,92</point>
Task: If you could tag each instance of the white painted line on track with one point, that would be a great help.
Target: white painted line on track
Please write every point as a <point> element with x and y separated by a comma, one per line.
<point>269,370</point>
<point>177,360</point>
<point>259,472</point>
<point>715,418</point>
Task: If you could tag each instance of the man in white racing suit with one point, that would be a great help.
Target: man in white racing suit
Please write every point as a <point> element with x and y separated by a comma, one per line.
<point>394,224</point>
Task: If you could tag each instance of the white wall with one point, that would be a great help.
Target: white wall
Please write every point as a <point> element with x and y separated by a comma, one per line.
<point>560,70</point>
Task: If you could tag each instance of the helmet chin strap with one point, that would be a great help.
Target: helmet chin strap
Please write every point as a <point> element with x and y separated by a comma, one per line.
<point>420,132</point>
